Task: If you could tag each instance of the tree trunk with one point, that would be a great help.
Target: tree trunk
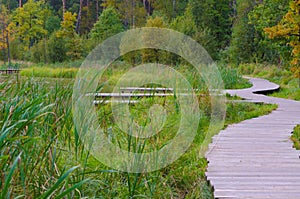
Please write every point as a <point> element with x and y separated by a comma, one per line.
<point>97,10</point>
<point>64,6</point>
<point>174,6</point>
<point>79,16</point>
<point>132,13</point>
<point>8,49</point>
<point>3,50</point>
<point>20,3</point>
<point>149,7</point>
<point>2,26</point>
<point>145,6</point>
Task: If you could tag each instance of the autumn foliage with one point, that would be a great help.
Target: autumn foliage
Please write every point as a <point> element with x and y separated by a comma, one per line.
<point>289,28</point>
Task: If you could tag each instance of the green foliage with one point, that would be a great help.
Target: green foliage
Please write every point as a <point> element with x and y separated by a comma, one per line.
<point>71,41</point>
<point>132,12</point>
<point>215,15</point>
<point>52,24</point>
<point>57,50</point>
<point>267,14</point>
<point>289,28</point>
<point>29,23</point>
<point>242,42</point>
<point>237,112</point>
<point>171,8</point>
<point>296,137</point>
<point>185,24</point>
<point>107,25</point>
<point>49,72</point>
<point>67,26</point>
<point>232,78</point>
<point>289,84</point>
<point>38,52</point>
<point>29,142</point>
<point>154,55</point>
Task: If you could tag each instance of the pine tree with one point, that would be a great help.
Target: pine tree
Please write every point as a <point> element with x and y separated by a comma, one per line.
<point>107,25</point>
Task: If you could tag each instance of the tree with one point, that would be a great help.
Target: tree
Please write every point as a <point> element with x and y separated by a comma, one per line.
<point>265,14</point>
<point>171,8</point>
<point>73,42</point>
<point>216,16</point>
<point>241,47</point>
<point>52,24</point>
<point>89,16</point>
<point>289,28</point>
<point>109,3</point>
<point>67,25</point>
<point>5,33</point>
<point>132,12</point>
<point>57,51</point>
<point>185,24</point>
<point>29,23</point>
<point>79,15</point>
<point>107,25</point>
<point>153,55</point>
<point>64,6</point>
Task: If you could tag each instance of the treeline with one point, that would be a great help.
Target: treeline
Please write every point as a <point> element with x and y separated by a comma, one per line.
<point>232,31</point>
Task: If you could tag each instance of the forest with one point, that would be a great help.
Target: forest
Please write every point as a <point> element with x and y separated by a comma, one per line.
<point>232,31</point>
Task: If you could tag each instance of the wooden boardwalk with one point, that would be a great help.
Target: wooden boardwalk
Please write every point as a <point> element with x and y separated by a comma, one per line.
<point>9,71</point>
<point>255,158</point>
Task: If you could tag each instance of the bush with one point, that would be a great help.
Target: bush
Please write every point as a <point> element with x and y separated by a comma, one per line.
<point>49,72</point>
<point>232,78</point>
<point>57,49</point>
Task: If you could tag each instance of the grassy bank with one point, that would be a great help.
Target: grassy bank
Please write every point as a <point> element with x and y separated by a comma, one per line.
<point>49,72</point>
<point>39,149</point>
<point>230,76</point>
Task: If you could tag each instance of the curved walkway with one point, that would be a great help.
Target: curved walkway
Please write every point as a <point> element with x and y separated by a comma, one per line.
<point>255,158</point>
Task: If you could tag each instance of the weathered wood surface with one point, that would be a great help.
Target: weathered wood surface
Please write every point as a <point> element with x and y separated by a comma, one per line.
<point>256,158</point>
<point>9,71</point>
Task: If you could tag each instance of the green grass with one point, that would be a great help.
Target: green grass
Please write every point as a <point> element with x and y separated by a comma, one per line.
<point>296,137</point>
<point>231,77</point>
<point>236,111</point>
<point>49,72</point>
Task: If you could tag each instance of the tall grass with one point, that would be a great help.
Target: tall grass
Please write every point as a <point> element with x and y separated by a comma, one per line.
<point>49,72</point>
<point>33,118</point>
<point>42,156</point>
<point>231,77</point>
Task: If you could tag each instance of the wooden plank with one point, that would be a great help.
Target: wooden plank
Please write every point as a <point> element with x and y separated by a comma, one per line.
<point>255,158</point>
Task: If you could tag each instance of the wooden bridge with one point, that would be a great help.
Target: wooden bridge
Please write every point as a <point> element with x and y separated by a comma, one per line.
<point>256,158</point>
<point>9,71</point>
